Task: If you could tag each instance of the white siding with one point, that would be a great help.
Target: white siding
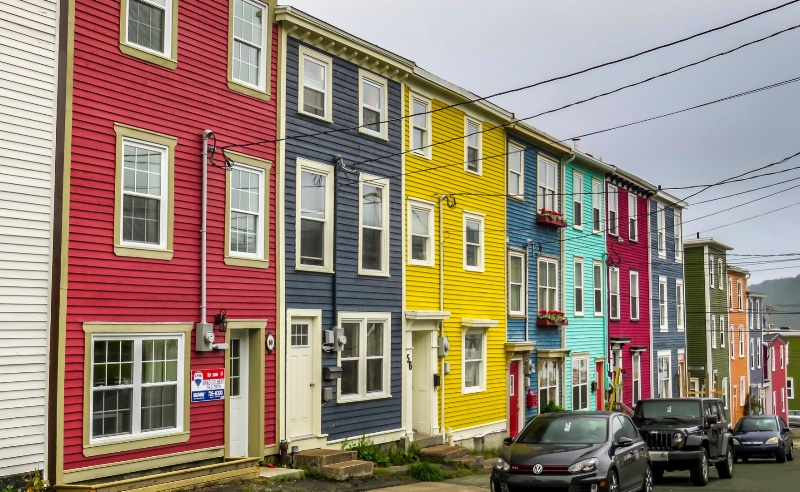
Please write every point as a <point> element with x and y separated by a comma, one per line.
<point>28,49</point>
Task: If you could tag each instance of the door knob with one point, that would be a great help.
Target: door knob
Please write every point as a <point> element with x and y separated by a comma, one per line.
<point>312,384</point>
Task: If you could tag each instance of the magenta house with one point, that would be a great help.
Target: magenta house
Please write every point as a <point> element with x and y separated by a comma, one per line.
<point>628,264</point>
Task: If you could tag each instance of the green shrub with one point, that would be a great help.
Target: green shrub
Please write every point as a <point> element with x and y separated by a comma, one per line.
<point>550,407</point>
<point>367,451</point>
<point>425,472</point>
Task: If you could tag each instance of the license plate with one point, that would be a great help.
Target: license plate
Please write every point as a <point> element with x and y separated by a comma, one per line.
<point>659,456</point>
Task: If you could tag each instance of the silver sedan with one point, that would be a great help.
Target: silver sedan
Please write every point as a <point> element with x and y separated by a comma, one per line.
<point>794,418</point>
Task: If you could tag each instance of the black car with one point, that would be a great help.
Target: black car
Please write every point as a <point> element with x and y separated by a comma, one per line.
<point>762,436</point>
<point>585,451</point>
<point>686,434</point>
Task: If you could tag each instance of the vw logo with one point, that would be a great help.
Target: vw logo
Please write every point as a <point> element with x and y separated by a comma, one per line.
<point>537,469</point>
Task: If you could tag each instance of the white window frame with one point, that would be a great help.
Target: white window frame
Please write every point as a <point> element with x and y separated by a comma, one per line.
<point>427,207</point>
<point>260,253</point>
<point>263,46</point>
<point>739,296</point>
<point>168,27</point>
<point>663,305</point>
<point>725,392</point>
<point>751,346</point>
<point>382,183</point>
<point>730,294</point>
<point>711,267</point>
<point>713,331</point>
<point>721,274</point>
<point>543,371</point>
<point>539,286</point>
<point>597,206</point>
<point>664,354</point>
<point>661,231</point>
<point>582,365</point>
<point>633,218</point>
<point>475,217</point>
<point>577,200</point>
<point>522,284</point>
<point>790,388</point>
<point>722,332</point>
<point>482,386</point>
<point>613,211</point>
<point>783,399</point>
<point>633,278</point>
<point>381,83</point>
<point>327,243</point>
<point>680,306</point>
<point>542,190</point>
<point>597,285</point>
<point>731,339</point>
<point>478,134</point>
<point>578,282</point>
<point>164,197</point>
<point>137,385</point>
<point>612,292</point>
<point>678,233</point>
<point>742,334</point>
<point>742,391</point>
<point>425,150</point>
<point>363,318</point>
<point>772,358</point>
<point>636,369</point>
<point>321,59</point>
<point>516,152</point>
<point>780,351</point>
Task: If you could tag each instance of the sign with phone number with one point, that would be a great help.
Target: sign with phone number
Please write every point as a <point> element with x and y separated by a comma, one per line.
<point>208,384</point>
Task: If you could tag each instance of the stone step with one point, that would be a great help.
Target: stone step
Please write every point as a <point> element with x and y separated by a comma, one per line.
<point>467,462</point>
<point>443,452</point>
<point>348,469</point>
<point>317,458</point>
<point>426,441</point>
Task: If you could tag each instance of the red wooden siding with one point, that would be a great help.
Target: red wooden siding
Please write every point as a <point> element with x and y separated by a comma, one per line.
<point>110,87</point>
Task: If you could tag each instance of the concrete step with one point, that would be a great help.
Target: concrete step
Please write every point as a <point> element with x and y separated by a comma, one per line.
<point>443,453</point>
<point>317,458</point>
<point>273,474</point>
<point>467,462</point>
<point>427,441</point>
<point>348,469</point>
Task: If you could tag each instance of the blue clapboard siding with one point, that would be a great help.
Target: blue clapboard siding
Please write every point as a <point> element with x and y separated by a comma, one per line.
<point>672,269</point>
<point>306,290</point>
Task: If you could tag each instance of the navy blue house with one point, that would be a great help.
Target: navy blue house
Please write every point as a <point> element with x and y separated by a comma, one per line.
<point>668,297</point>
<point>756,322</point>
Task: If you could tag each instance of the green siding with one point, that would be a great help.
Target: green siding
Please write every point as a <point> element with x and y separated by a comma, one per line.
<point>793,369</point>
<point>695,310</point>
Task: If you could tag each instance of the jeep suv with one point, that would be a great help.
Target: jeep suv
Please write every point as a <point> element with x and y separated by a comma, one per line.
<point>686,434</point>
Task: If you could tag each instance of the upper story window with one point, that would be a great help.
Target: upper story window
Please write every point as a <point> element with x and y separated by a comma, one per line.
<point>633,233</point>
<point>548,284</point>
<point>547,182</point>
<point>373,250</point>
<point>713,331</point>
<point>730,293</point>
<point>420,234</point>
<point>634,292</point>
<point>578,284</point>
<point>516,171</point>
<point>677,230</point>
<point>662,232</point>
<point>516,283</point>
<point>373,115</point>
<point>577,200</point>
<point>250,32</point>
<point>314,230</point>
<point>722,331</point>
<point>473,242</point>
<point>613,211</point>
<point>247,198</point>
<point>721,274</point>
<point>597,206</point>
<point>148,30</point>
<point>316,85</point>
<point>420,126</point>
<point>472,147</point>
<point>711,267</point>
<point>679,304</point>
<point>739,295</point>
<point>662,304</point>
<point>597,287</point>
<point>613,292</point>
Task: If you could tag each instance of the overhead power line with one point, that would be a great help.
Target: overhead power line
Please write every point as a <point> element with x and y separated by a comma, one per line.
<point>752,217</point>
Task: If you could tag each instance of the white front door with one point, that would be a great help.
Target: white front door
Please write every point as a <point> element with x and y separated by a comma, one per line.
<point>300,389</point>
<point>421,382</point>
<point>238,384</point>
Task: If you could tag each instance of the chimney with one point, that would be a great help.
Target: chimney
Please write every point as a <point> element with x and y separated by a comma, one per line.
<point>576,144</point>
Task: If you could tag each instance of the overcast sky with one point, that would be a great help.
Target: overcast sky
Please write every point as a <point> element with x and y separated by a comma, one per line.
<point>490,46</point>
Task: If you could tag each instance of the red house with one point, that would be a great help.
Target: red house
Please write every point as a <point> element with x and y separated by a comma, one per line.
<point>627,237</point>
<point>775,357</point>
<point>166,334</point>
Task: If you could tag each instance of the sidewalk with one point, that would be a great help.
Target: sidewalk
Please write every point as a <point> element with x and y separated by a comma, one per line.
<point>474,483</point>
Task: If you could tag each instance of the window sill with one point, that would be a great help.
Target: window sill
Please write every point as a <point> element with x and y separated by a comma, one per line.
<point>134,444</point>
<point>578,315</point>
<point>422,156</point>
<point>518,198</point>
<point>598,315</point>
<point>139,252</point>
<point>517,315</point>
<point>373,273</point>
<point>663,330</point>
<point>160,60</point>
<point>313,269</point>
<point>246,262</point>
<point>421,263</point>
<point>235,86</point>
<point>475,173</point>
<point>470,391</point>
<point>577,227</point>
<point>357,399</point>
<point>635,240</point>
<point>473,269</point>
<point>315,116</point>
<point>379,136</point>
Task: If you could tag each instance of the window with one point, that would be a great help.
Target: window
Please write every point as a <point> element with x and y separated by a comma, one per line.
<point>597,287</point>
<point>548,285</point>
<point>578,283</point>
<point>144,209</point>
<point>662,304</point>
<point>597,206</point>
<point>613,292</point>
<point>365,358</point>
<point>634,290</point>
<point>474,369</point>
<point>662,232</point>
<point>580,383</point>
<point>664,374</point>
<point>730,293</point>
<point>373,251</point>
<point>752,354</point>
<point>149,31</point>
<point>548,382</point>
<point>783,400</point>
<point>722,331</point>
<point>249,37</point>
<point>615,362</point>
<point>711,282</point>
<point>613,211</point>
<point>677,231</point>
<point>420,127</point>
<point>739,295</point>
<point>679,304</point>
<point>725,393</point>
<point>741,340</point>
<point>772,357</point>
<point>516,283</point>
<point>721,274</point>
<point>742,391</point>
<point>780,349</point>
<point>420,234</point>
<point>546,185</point>
<point>314,228</point>
<point>577,200</point>
<point>790,388</point>
<point>637,377</point>
<point>731,342</point>
<point>713,331</point>
<point>516,171</point>
<point>247,198</point>
<point>749,314</point>
<point>472,145</point>
<point>314,97</point>
<point>373,96</point>
<point>633,233</point>
<point>473,242</point>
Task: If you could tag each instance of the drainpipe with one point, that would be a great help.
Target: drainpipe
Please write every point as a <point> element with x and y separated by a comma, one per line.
<point>441,308</point>
<point>529,251</point>
<point>563,254</point>
<point>204,220</point>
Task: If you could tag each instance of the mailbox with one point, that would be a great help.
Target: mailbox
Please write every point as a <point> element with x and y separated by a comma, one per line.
<point>331,373</point>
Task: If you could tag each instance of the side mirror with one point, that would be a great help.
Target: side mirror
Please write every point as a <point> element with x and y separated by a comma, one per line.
<point>508,441</point>
<point>711,420</point>
<point>785,430</point>
<point>624,442</point>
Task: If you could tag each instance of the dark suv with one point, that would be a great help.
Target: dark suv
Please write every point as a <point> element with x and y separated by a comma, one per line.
<point>686,434</point>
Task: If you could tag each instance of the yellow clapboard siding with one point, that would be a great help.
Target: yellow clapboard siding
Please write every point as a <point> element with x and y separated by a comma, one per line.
<point>467,294</point>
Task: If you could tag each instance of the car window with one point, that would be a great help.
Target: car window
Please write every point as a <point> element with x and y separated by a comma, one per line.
<point>710,409</point>
<point>616,428</point>
<point>721,409</point>
<point>628,429</point>
<point>565,430</point>
<point>758,424</point>
<point>783,422</point>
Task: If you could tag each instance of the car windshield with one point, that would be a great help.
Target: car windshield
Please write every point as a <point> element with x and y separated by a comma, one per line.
<point>667,410</point>
<point>765,424</point>
<point>568,429</point>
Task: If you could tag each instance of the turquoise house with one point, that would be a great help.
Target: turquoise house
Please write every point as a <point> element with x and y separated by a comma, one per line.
<point>584,250</point>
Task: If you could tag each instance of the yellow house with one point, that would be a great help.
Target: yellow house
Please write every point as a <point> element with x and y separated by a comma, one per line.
<point>455,250</point>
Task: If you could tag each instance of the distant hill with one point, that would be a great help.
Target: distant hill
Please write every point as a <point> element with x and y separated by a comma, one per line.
<point>784,294</point>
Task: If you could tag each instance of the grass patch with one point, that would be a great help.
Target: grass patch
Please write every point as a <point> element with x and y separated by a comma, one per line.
<point>425,472</point>
<point>487,453</point>
<point>367,450</point>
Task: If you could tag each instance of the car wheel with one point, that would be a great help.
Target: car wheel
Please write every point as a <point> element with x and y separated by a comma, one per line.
<point>790,456</point>
<point>658,474</point>
<point>613,482</point>
<point>725,467</point>
<point>781,456</point>
<point>647,484</point>
<point>699,471</point>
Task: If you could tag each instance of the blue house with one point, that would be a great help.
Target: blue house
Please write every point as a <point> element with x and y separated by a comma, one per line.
<point>756,322</point>
<point>342,225</point>
<point>668,303</point>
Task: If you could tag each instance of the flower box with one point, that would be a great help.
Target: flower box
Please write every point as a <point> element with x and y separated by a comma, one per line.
<point>551,218</point>
<point>551,318</point>
<point>549,322</point>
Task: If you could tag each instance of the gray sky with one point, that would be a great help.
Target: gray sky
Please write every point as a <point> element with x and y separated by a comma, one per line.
<point>490,46</point>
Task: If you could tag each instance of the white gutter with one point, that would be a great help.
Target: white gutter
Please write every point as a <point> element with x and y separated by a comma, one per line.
<point>441,308</point>
<point>204,214</point>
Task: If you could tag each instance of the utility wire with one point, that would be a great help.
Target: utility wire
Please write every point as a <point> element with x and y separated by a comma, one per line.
<point>752,217</point>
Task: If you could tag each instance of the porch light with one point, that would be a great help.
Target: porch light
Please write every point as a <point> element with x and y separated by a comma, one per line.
<point>221,320</point>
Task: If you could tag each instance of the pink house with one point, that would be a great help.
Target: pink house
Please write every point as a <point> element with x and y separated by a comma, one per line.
<point>775,358</point>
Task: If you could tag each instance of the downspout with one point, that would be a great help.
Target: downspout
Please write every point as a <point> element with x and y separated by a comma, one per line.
<point>563,256</point>
<point>204,220</point>
<point>528,251</point>
<point>441,308</point>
